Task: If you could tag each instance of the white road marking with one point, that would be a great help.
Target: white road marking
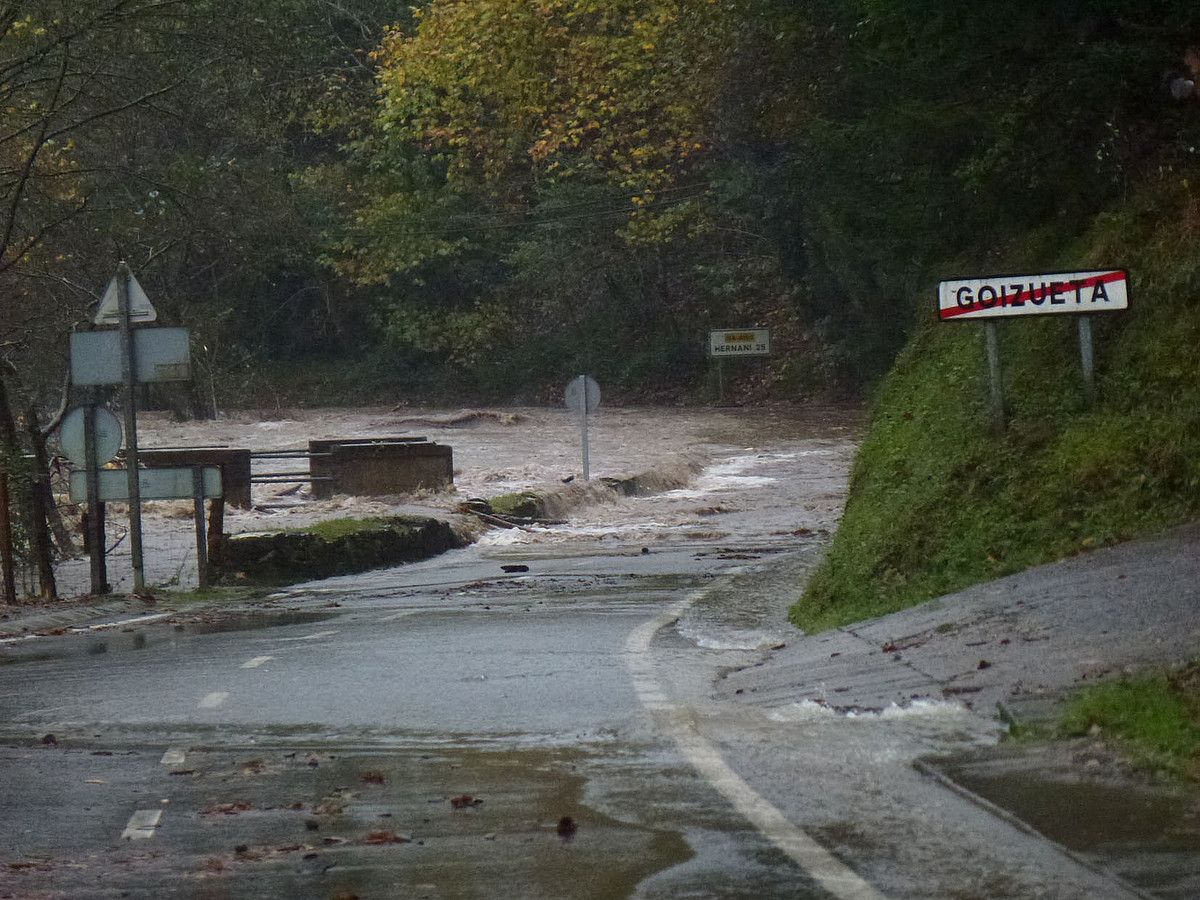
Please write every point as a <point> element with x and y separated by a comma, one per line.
<point>310,637</point>
<point>213,700</point>
<point>141,825</point>
<point>256,662</point>
<point>173,757</point>
<point>138,620</point>
<point>822,866</point>
<point>398,615</point>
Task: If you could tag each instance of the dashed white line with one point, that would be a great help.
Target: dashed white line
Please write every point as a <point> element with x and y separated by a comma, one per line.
<point>142,825</point>
<point>213,700</point>
<point>173,757</point>
<point>256,662</point>
<point>310,637</point>
<point>826,869</point>
<point>398,615</point>
<point>137,620</point>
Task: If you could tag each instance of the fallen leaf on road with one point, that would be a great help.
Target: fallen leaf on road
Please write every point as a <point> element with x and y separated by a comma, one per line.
<point>984,664</point>
<point>226,809</point>
<point>253,767</point>
<point>50,741</point>
<point>464,800</point>
<point>566,828</point>
<point>371,777</point>
<point>386,837</point>
<point>25,866</point>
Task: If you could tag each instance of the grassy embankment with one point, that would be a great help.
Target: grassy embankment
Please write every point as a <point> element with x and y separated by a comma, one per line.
<point>937,503</point>
<point>1155,718</point>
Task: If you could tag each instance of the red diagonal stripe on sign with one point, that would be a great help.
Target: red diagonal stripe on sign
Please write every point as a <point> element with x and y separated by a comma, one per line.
<point>1028,296</point>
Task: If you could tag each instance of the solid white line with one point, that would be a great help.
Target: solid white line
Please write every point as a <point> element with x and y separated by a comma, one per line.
<point>256,662</point>
<point>310,637</point>
<point>141,825</point>
<point>173,757</point>
<point>213,700</point>
<point>822,866</point>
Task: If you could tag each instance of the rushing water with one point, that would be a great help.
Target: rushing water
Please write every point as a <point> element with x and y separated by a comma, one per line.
<point>750,477</point>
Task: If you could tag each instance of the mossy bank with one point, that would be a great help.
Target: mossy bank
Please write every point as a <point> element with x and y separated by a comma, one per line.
<point>937,502</point>
<point>334,547</point>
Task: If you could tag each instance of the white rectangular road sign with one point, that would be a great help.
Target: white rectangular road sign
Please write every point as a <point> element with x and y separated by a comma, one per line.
<point>740,342</point>
<point>999,296</point>
<point>163,354</point>
<point>155,484</point>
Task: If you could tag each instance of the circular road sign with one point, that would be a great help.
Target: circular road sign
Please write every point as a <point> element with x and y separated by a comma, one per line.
<point>108,436</point>
<point>580,389</point>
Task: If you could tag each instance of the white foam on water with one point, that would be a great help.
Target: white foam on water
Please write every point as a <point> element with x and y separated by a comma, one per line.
<point>725,477</point>
<point>727,638</point>
<point>805,710</point>
<point>923,708</point>
<point>533,534</point>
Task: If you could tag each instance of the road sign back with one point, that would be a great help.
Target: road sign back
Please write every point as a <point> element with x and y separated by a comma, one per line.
<point>140,307</point>
<point>581,389</point>
<point>72,440</point>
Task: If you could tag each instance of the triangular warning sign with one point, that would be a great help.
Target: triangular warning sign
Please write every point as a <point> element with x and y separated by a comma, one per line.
<point>140,307</point>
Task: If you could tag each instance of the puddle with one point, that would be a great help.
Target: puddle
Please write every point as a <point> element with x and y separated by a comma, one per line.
<point>273,822</point>
<point>1086,815</point>
<point>1148,834</point>
<point>251,621</point>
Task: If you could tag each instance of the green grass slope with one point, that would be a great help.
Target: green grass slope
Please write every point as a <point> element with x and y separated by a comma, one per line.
<point>938,503</point>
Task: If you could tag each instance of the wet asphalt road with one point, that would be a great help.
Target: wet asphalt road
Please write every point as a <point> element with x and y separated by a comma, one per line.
<point>447,730</point>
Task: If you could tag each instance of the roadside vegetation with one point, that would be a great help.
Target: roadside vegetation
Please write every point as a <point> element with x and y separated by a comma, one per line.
<point>1154,718</point>
<point>937,502</point>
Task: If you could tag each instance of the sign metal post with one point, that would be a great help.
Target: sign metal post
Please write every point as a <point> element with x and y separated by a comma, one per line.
<point>1087,360</point>
<point>201,537</point>
<point>991,335</point>
<point>583,423</point>
<point>129,374</point>
<point>99,577</point>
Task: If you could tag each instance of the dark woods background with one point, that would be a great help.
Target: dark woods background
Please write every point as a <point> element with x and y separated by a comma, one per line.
<point>353,200</point>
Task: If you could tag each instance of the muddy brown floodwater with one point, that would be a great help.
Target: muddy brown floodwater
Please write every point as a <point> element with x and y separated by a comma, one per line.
<point>703,455</point>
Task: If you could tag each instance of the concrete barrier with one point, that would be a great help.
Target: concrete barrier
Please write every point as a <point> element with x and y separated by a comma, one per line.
<point>373,467</point>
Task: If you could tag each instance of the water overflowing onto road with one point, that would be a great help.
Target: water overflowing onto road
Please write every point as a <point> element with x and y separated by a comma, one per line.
<point>724,463</point>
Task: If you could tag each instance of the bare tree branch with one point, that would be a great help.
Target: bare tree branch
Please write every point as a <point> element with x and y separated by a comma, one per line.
<point>30,160</point>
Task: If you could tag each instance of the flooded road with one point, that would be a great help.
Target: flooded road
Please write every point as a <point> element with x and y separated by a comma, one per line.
<point>447,729</point>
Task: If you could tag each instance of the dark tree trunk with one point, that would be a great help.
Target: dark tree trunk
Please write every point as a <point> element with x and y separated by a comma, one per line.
<point>41,501</point>
<point>8,452</point>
